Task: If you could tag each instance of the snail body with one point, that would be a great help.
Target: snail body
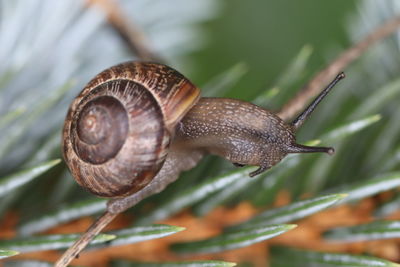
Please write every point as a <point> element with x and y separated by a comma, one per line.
<point>137,125</point>
<point>240,132</point>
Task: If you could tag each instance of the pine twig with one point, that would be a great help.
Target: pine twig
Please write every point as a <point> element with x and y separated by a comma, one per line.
<point>134,38</point>
<point>314,86</point>
<point>73,251</point>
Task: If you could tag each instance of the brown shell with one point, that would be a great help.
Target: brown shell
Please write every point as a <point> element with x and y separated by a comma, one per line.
<point>118,128</point>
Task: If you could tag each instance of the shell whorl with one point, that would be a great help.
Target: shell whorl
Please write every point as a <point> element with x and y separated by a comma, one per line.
<point>118,129</point>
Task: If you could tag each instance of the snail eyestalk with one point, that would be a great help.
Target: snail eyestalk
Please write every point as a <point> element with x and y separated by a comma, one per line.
<point>298,122</point>
<point>297,148</point>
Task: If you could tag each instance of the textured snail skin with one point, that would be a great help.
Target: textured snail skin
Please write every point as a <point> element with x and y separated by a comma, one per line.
<point>177,161</point>
<point>241,132</point>
<point>116,133</point>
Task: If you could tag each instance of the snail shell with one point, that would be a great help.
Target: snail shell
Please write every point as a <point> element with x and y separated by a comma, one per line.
<point>117,131</point>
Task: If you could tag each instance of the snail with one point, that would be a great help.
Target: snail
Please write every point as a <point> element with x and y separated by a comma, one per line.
<point>136,126</point>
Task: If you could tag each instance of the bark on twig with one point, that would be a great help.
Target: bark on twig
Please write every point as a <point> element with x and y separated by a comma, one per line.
<point>73,251</point>
<point>316,84</point>
<point>134,38</point>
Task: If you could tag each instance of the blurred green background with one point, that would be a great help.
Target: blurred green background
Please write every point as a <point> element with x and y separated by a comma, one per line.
<point>266,36</point>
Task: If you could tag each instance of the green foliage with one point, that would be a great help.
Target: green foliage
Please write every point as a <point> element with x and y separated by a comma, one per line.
<point>27,263</point>
<point>363,189</point>
<point>292,212</point>
<point>66,214</point>
<point>47,242</point>
<point>283,257</point>
<point>218,86</point>
<point>290,76</point>
<point>47,61</point>
<point>15,180</point>
<point>388,207</point>
<point>193,195</point>
<point>142,233</point>
<point>7,253</point>
<point>233,239</point>
<point>178,264</point>
<point>121,237</point>
<point>364,232</point>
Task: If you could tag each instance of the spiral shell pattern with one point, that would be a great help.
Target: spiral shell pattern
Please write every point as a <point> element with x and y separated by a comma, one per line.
<point>117,130</point>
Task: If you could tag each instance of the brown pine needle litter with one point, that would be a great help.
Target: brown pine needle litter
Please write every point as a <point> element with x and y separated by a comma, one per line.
<point>306,236</point>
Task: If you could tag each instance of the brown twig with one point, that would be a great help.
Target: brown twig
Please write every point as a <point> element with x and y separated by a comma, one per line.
<point>73,251</point>
<point>132,35</point>
<point>315,85</point>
